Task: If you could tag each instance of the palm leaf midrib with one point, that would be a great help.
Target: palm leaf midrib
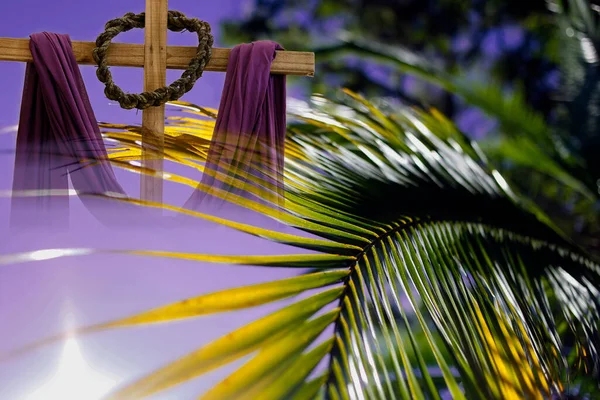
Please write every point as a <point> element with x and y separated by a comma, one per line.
<point>401,224</point>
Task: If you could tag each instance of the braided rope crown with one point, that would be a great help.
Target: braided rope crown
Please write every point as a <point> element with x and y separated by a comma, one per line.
<point>177,22</point>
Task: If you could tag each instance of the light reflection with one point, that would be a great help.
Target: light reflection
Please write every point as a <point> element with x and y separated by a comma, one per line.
<point>74,379</point>
<point>9,129</point>
<point>41,255</point>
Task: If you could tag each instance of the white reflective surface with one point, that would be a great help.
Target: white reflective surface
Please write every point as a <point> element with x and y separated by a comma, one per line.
<point>74,379</point>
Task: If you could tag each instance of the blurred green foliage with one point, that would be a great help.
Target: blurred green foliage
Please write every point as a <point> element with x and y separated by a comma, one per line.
<point>512,42</point>
<point>520,77</point>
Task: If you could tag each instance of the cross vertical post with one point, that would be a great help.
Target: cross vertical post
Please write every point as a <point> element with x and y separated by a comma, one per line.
<point>153,118</point>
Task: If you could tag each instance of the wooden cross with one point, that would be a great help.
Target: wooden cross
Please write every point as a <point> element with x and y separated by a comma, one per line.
<point>156,57</point>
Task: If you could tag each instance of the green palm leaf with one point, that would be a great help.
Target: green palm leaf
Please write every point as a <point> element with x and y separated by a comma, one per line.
<point>526,139</point>
<point>435,275</point>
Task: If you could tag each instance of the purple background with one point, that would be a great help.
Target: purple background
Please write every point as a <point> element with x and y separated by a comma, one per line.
<point>44,297</point>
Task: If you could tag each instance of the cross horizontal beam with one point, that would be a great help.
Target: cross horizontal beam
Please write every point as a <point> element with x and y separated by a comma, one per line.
<point>178,57</point>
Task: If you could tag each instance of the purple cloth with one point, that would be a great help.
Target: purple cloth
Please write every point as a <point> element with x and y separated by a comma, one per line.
<point>248,141</point>
<point>58,135</point>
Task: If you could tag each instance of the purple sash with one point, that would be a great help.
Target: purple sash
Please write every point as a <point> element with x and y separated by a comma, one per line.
<point>58,135</point>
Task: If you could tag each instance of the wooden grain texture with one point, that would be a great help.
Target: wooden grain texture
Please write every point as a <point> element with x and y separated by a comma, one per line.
<point>153,118</point>
<point>178,57</point>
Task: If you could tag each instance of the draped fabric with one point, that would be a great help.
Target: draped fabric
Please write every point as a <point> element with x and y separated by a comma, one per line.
<point>58,137</point>
<point>248,142</point>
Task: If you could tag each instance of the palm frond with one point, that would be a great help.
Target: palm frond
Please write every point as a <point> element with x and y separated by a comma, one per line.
<point>525,135</point>
<point>511,111</point>
<point>435,276</point>
<point>579,35</point>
